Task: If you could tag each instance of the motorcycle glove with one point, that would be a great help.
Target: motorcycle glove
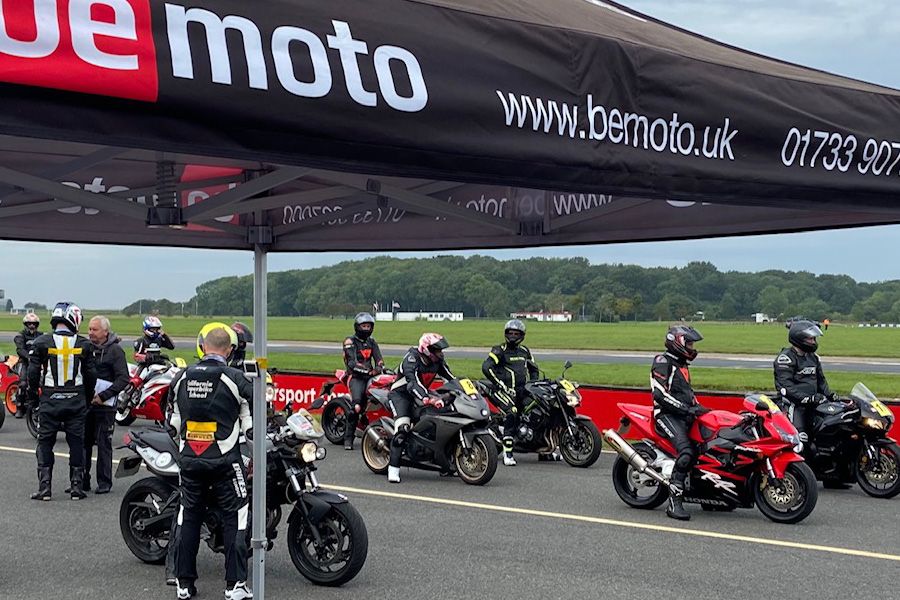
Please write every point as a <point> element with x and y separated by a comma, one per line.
<point>698,410</point>
<point>433,401</point>
<point>819,398</point>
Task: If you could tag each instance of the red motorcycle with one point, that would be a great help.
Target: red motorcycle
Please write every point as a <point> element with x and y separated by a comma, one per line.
<point>334,415</point>
<point>745,459</point>
<point>9,384</point>
<point>148,386</point>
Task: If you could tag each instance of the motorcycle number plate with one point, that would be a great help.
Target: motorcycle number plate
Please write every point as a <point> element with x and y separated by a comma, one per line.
<point>128,466</point>
<point>881,409</point>
<point>468,387</point>
<point>567,385</point>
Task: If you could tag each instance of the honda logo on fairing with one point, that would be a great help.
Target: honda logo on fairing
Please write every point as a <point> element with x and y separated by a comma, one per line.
<point>106,47</point>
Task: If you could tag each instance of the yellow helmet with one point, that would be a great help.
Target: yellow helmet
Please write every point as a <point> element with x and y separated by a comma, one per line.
<point>209,327</point>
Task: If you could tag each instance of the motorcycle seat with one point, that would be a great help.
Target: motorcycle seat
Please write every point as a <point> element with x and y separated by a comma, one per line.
<point>160,441</point>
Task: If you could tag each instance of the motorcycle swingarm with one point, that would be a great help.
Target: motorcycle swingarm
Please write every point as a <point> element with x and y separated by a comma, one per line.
<point>313,506</point>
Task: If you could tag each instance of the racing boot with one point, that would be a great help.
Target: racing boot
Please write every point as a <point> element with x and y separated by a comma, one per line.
<point>85,482</point>
<point>349,436</point>
<point>675,509</point>
<point>44,478</point>
<point>185,590</point>
<point>554,456</point>
<point>20,409</point>
<point>237,591</point>
<point>508,458</point>
<point>76,492</point>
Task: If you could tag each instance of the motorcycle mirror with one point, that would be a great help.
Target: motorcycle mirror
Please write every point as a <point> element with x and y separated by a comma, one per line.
<point>567,364</point>
<point>762,406</point>
<point>318,403</point>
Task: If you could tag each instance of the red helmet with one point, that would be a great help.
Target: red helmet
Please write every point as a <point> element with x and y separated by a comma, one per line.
<point>432,345</point>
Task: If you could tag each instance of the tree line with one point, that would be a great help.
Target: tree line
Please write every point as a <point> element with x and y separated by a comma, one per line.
<point>481,286</point>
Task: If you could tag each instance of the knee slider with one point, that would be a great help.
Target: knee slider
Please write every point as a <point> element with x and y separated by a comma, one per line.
<point>403,424</point>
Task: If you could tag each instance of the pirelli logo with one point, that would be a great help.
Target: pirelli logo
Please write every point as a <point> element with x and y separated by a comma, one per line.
<point>201,431</point>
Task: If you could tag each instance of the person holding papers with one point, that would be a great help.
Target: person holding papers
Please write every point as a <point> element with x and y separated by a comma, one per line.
<point>112,377</point>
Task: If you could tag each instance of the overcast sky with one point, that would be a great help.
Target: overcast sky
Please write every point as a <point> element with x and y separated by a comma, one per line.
<point>857,38</point>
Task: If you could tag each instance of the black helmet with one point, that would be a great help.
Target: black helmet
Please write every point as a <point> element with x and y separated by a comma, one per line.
<point>244,335</point>
<point>514,332</point>
<point>360,325</point>
<point>803,334</point>
<point>680,341</point>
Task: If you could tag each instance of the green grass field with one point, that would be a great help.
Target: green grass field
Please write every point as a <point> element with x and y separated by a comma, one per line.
<point>710,379</point>
<point>734,338</point>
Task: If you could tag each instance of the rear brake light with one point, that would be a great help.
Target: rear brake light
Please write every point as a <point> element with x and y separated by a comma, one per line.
<point>126,439</point>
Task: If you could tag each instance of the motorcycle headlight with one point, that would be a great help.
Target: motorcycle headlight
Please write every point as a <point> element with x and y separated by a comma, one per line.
<point>791,438</point>
<point>163,460</point>
<point>484,412</point>
<point>308,452</point>
<point>872,423</point>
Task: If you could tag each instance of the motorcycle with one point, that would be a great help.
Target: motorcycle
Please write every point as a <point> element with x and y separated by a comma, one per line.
<point>745,460</point>
<point>549,421</point>
<point>334,415</point>
<point>850,443</point>
<point>451,440</point>
<point>148,386</point>
<point>326,537</point>
<point>14,392</point>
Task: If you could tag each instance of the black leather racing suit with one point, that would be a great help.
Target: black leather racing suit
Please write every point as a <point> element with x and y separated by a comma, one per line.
<point>24,341</point>
<point>674,409</point>
<point>363,359</point>
<point>509,367</point>
<point>61,366</point>
<point>798,378</point>
<point>411,387</point>
<point>210,410</point>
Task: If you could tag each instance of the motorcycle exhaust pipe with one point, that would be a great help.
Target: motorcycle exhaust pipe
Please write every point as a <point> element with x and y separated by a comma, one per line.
<point>632,457</point>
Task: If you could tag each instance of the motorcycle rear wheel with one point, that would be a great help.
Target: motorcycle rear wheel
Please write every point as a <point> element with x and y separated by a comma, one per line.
<point>883,480</point>
<point>334,419</point>
<point>584,450</point>
<point>626,482</point>
<point>794,501</point>
<point>477,465</point>
<point>376,458</point>
<point>342,552</point>
<point>138,504</point>
<point>33,420</point>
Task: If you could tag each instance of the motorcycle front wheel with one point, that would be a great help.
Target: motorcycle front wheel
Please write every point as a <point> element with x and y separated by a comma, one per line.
<point>376,453</point>
<point>334,419</point>
<point>149,543</point>
<point>790,499</point>
<point>583,448</point>
<point>476,465</point>
<point>11,392</point>
<point>341,551</point>
<point>881,480</point>
<point>33,420</point>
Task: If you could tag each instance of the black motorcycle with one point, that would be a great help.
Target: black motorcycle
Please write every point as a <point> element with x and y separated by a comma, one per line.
<point>326,538</point>
<point>549,422</point>
<point>453,440</point>
<point>850,443</point>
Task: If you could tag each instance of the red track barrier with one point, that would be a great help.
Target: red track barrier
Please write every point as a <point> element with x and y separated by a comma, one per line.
<point>598,402</point>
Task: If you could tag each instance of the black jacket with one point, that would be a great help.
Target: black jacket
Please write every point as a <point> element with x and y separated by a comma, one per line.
<point>799,377</point>
<point>361,356</point>
<point>510,367</point>
<point>21,340</point>
<point>62,366</point>
<point>164,341</point>
<point>110,365</point>
<point>409,375</point>
<point>211,408</point>
<point>670,382</point>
